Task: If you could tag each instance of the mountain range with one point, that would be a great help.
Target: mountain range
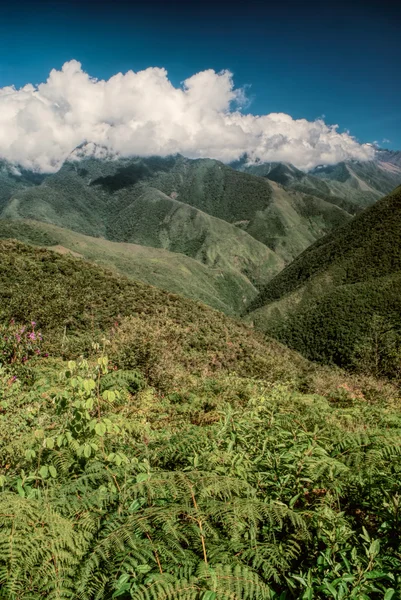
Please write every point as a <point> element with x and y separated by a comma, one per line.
<point>213,232</point>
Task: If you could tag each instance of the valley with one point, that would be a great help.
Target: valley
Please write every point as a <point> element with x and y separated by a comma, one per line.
<point>199,380</point>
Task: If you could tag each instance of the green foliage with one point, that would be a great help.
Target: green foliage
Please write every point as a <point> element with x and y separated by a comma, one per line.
<point>18,345</point>
<point>326,302</point>
<point>187,463</point>
<point>379,351</point>
<point>282,496</point>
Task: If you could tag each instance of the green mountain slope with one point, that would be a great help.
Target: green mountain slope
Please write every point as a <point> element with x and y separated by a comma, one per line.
<point>350,185</point>
<point>241,227</point>
<point>142,200</point>
<point>223,287</point>
<point>68,297</point>
<point>327,301</point>
<point>15,178</point>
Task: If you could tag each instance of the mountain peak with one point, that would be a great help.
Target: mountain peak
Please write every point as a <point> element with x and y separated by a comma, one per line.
<point>92,150</point>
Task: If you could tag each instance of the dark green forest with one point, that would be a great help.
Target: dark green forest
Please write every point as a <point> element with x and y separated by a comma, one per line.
<point>339,301</point>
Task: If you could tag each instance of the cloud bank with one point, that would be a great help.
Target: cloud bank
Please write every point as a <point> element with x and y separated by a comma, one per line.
<point>143,114</point>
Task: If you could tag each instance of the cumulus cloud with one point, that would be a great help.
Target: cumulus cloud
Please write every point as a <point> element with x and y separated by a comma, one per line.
<point>144,114</point>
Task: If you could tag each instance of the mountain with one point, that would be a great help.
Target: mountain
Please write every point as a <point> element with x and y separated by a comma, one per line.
<point>375,177</point>
<point>14,178</point>
<point>389,156</point>
<point>230,229</point>
<point>351,185</point>
<point>201,208</point>
<point>344,290</point>
<point>222,287</point>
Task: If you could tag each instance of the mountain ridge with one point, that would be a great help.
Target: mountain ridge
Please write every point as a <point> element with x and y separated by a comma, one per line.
<point>326,301</point>
<point>247,225</point>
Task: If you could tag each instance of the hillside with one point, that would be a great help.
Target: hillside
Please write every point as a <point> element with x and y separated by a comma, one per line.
<point>350,185</point>
<point>181,454</point>
<point>68,297</point>
<point>209,231</point>
<point>14,179</point>
<point>216,283</point>
<point>107,197</point>
<point>329,300</point>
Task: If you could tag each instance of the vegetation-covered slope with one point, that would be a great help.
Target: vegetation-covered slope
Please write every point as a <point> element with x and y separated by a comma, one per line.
<point>350,185</point>
<point>327,301</point>
<point>198,461</point>
<point>133,200</point>
<point>68,296</point>
<point>14,179</point>
<point>222,286</point>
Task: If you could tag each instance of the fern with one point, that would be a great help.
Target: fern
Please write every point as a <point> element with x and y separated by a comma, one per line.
<point>40,550</point>
<point>128,380</point>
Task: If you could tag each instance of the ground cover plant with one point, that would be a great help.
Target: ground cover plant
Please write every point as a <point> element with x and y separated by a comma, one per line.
<point>153,448</point>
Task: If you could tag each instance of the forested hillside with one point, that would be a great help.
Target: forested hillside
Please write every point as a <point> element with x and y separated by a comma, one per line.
<point>146,200</point>
<point>341,298</point>
<point>227,286</point>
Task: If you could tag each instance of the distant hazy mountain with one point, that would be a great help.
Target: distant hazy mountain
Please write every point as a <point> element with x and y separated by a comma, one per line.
<point>389,156</point>
<point>351,185</point>
<point>245,223</point>
<point>325,302</point>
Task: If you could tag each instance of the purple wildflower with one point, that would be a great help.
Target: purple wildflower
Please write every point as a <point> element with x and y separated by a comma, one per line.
<point>32,336</point>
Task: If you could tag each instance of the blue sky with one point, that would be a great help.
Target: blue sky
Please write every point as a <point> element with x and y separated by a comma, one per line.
<point>304,59</point>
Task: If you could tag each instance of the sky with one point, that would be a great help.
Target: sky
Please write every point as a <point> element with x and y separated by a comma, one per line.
<point>318,64</point>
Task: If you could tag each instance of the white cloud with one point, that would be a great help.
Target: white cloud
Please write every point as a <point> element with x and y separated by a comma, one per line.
<point>143,113</point>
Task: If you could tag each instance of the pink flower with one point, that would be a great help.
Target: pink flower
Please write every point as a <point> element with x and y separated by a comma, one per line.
<point>33,323</point>
<point>32,336</point>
